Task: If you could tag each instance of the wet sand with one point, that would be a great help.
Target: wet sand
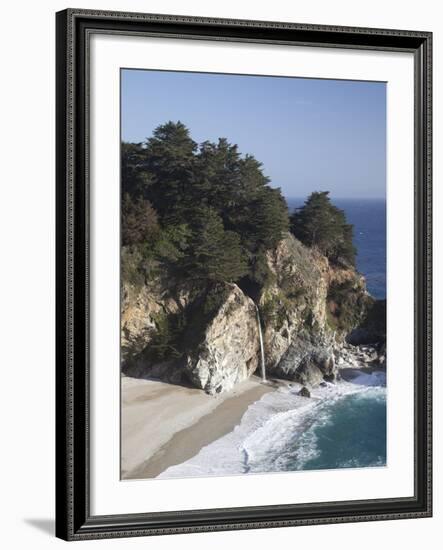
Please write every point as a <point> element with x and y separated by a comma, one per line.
<point>163,424</point>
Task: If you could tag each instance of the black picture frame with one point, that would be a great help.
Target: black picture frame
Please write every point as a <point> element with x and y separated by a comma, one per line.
<point>73,518</point>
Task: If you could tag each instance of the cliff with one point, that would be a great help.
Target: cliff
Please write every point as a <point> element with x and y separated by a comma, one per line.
<point>207,334</point>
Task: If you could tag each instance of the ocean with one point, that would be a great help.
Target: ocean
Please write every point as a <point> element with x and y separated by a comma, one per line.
<point>343,425</point>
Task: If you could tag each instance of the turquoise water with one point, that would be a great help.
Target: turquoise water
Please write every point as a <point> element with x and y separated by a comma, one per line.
<point>344,429</point>
<point>342,426</point>
<point>350,433</point>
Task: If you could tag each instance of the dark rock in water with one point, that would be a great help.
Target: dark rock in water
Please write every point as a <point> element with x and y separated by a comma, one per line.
<point>323,385</point>
<point>304,392</point>
<point>329,377</point>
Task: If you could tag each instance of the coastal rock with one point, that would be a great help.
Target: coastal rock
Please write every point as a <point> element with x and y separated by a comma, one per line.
<point>359,357</point>
<point>229,349</point>
<point>304,319</point>
<point>143,306</point>
<point>206,334</point>
<point>304,392</point>
<point>307,362</point>
<point>295,299</point>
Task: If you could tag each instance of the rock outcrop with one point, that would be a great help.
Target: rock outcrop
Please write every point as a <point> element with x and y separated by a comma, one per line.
<point>142,309</point>
<point>203,336</point>
<point>206,335</point>
<point>228,351</point>
<point>304,326</point>
<point>308,361</point>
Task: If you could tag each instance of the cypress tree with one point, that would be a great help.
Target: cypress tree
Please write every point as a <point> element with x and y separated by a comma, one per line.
<point>322,225</point>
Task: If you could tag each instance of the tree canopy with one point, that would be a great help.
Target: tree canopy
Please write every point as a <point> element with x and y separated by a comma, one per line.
<point>318,223</point>
<point>208,209</point>
<point>209,212</point>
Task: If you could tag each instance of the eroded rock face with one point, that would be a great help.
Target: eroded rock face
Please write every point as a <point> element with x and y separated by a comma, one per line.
<point>295,299</point>
<point>142,307</point>
<point>229,350</point>
<point>298,341</point>
<point>215,332</point>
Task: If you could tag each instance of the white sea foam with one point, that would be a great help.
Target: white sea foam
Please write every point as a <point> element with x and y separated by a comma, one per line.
<point>264,441</point>
<point>377,378</point>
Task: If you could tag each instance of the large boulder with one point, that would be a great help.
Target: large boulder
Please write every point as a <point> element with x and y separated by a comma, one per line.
<point>308,361</point>
<point>228,350</point>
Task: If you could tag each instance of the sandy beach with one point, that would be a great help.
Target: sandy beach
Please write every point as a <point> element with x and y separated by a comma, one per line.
<point>164,424</point>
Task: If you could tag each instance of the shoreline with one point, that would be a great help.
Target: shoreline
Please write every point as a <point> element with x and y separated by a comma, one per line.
<point>164,424</point>
<point>272,427</point>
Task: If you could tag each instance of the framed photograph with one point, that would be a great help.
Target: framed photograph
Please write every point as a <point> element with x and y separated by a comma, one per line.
<point>243,274</point>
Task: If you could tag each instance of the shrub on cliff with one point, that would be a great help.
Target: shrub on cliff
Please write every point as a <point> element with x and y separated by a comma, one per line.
<point>347,305</point>
<point>139,221</point>
<point>318,223</point>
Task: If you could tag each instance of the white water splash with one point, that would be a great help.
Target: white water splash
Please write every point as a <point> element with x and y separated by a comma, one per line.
<point>259,442</point>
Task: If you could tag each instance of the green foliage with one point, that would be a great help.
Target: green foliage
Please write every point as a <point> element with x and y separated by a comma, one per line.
<point>135,177</point>
<point>132,260</point>
<point>214,298</point>
<point>203,211</point>
<point>347,305</point>
<point>170,165</point>
<point>164,344</point>
<point>172,244</point>
<point>139,221</point>
<point>259,271</point>
<point>216,254</point>
<point>321,224</point>
<point>275,309</point>
<point>178,333</point>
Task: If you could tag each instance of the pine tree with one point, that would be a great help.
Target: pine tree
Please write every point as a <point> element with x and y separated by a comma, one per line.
<point>216,254</point>
<point>135,176</point>
<point>170,161</point>
<point>322,225</point>
<point>215,210</point>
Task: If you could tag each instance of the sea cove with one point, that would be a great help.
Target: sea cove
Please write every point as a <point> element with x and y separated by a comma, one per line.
<point>253,324</point>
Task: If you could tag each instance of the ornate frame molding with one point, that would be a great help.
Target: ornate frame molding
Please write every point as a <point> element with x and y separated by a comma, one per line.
<point>74,28</point>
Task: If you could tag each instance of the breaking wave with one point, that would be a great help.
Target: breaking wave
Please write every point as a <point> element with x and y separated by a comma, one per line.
<point>343,425</point>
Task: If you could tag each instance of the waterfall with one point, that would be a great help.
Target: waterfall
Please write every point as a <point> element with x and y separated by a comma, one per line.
<point>262,350</point>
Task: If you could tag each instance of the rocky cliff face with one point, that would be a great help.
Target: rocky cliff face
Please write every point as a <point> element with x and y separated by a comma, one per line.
<point>304,323</point>
<point>207,335</point>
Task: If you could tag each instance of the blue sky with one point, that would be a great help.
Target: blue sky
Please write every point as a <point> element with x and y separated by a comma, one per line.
<point>310,134</point>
